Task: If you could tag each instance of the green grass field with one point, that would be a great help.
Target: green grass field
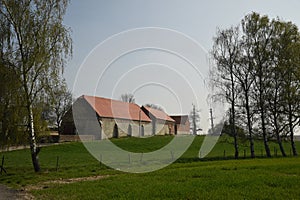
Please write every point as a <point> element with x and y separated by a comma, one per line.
<point>215,177</point>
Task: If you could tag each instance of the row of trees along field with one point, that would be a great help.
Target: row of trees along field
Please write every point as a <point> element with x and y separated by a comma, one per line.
<point>34,48</point>
<point>256,70</point>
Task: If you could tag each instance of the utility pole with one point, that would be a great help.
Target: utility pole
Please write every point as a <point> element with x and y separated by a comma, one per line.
<point>194,121</point>
<point>140,123</point>
<point>211,120</point>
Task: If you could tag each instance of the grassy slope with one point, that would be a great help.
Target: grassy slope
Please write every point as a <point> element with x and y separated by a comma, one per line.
<point>187,178</point>
<point>217,180</point>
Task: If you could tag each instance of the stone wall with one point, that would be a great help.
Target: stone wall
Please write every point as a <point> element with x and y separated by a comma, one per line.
<point>109,126</point>
<point>75,138</point>
<point>164,128</point>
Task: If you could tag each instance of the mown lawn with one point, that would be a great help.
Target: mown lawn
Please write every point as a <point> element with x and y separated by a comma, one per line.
<point>215,177</point>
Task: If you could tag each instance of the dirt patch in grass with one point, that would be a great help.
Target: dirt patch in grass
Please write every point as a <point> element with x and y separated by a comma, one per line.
<point>47,184</point>
<point>8,194</point>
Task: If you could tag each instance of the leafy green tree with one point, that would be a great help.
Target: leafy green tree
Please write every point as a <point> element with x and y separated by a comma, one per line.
<point>288,62</point>
<point>11,107</point>
<point>226,54</point>
<point>61,102</point>
<point>245,75</point>
<point>258,33</point>
<point>275,94</point>
<point>36,45</point>
<point>240,131</point>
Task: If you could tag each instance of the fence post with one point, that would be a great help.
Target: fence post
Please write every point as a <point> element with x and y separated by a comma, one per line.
<point>57,160</point>
<point>129,158</point>
<point>2,166</point>
<point>172,155</point>
<point>141,159</point>
<point>100,160</point>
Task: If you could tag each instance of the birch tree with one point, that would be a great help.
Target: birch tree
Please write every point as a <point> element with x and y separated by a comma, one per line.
<point>37,46</point>
<point>226,53</point>
<point>289,62</point>
<point>258,33</point>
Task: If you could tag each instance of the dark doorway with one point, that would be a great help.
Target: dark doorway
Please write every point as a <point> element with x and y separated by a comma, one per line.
<point>100,123</point>
<point>116,131</point>
<point>153,127</point>
<point>175,127</point>
<point>142,131</point>
<point>129,131</point>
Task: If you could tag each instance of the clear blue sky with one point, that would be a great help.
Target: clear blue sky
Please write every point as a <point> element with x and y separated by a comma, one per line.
<point>93,21</point>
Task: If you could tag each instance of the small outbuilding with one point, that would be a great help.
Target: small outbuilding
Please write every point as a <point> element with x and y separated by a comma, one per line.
<point>162,124</point>
<point>182,124</point>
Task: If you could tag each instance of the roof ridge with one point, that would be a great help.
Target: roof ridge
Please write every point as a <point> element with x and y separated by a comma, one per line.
<point>158,112</point>
<point>109,99</point>
<point>111,108</point>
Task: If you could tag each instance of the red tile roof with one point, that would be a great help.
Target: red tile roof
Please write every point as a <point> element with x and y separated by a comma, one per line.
<point>158,114</point>
<point>116,109</point>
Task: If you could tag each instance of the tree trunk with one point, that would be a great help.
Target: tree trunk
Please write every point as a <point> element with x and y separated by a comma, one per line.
<point>236,147</point>
<point>280,145</point>
<point>293,145</point>
<point>268,152</point>
<point>292,131</point>
<point>279,141</point>
<point>262,115</point>
<point>33,146</point>
<point>249,124</point>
